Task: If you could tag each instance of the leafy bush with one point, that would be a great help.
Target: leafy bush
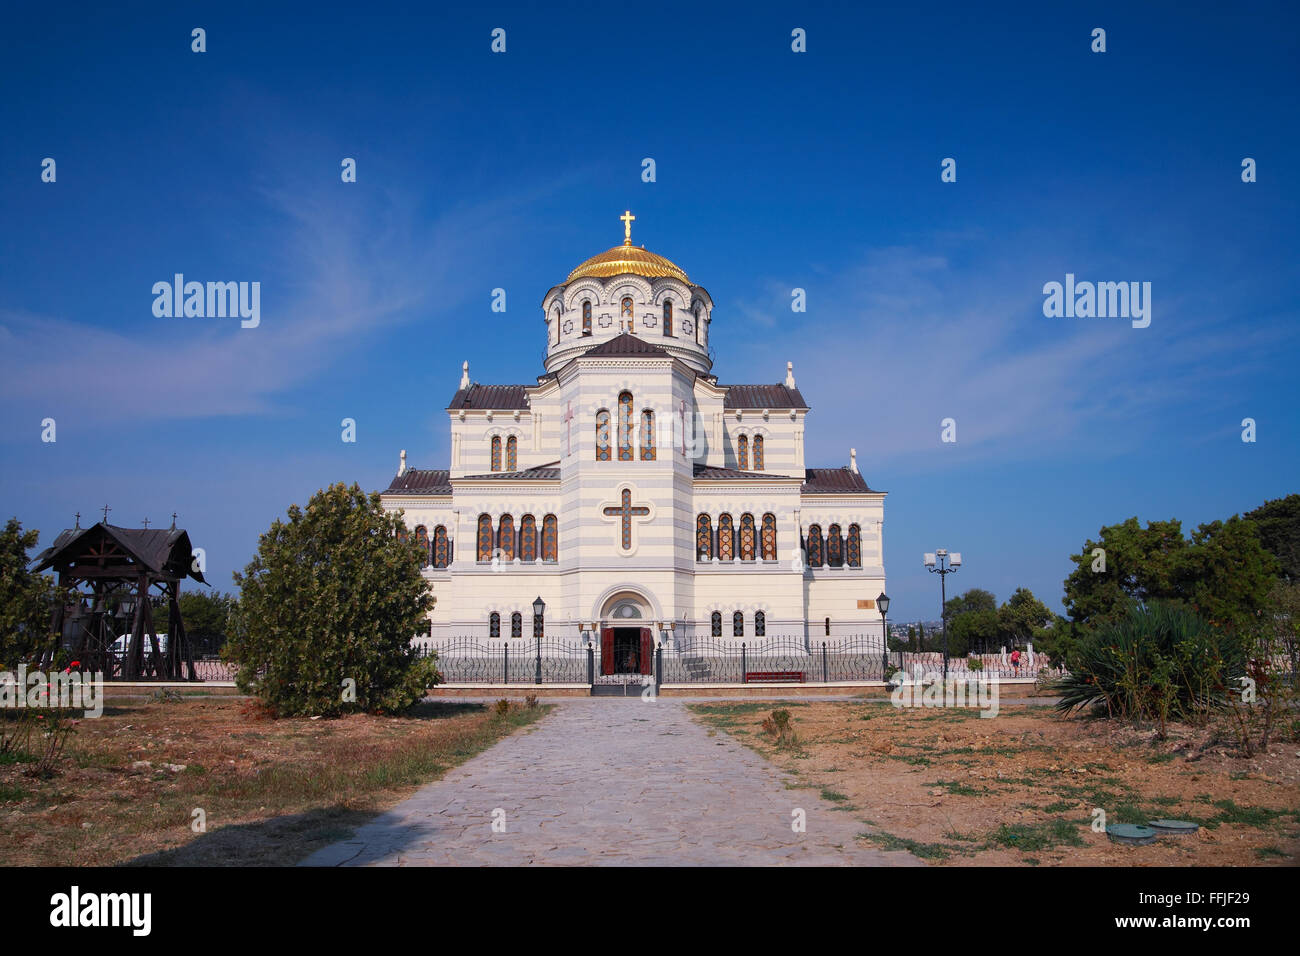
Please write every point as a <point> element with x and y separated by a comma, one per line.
<point>328,607</point>
<point>1159,662</point>
<point>975,664</point>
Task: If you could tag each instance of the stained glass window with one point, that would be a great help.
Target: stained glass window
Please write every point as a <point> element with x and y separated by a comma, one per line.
<point>625,426</point>
<point>715,624</point>
<point>602,435</point>
<point>516,625</point>
<point>758,452</point>
<point>496,453</point>
<point>550,538</point>
<point>742,452</point>
<point>485,537</point>
<point>760,624</point>
<point>747,537</point>
<point>815,555</point>
<point>726,538</point>
<point>855,546</point>
<point>627,313</point>
<point>668,316</point>
<point>704,537</point>
<point>494,624</point>
<point>834,547</point>
<point>528,538</point>
<point>512,453</point>
<point>441,547</point>
<point>506,538</point>
<point>769,537</point>
<point>422,540</point>
<point>647,436</point>
<point>586,317</point>
<point>738,624</point>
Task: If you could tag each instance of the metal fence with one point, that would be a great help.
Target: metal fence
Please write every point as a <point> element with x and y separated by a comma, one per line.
<point>464,660</point>
<point>716,661</point>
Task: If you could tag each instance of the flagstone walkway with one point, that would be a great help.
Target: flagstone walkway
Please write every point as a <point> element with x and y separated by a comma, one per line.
<point>611,782</point>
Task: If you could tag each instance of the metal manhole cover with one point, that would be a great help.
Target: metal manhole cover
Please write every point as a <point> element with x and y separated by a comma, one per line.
<point>1134,834</point>
<point>1174,827</point>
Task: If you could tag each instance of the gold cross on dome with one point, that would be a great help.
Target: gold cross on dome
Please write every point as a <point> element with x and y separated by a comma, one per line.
<point>627,219</point>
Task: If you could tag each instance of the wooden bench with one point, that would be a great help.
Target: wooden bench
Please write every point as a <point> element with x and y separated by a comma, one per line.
<point>755,677</point>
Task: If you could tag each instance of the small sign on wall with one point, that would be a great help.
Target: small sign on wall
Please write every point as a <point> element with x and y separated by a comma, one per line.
<point>866,603</point>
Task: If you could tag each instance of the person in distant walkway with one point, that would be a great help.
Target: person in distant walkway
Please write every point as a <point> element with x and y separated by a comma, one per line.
<point>1015,661</point>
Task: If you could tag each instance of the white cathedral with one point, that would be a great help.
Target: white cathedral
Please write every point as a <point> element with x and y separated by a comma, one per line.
<point>634,493</point>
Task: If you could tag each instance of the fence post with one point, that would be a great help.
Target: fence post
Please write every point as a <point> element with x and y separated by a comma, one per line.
<point>505,669</point>
<point>744,666</point>
<point>591,664</point>
<point>825,673</point>
<point>659,667</point>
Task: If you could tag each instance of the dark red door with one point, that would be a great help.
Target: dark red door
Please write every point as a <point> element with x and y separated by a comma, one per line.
<point>647,652</point>
<point>607,650</point>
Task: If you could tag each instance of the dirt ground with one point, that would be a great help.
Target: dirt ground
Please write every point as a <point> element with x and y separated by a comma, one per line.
<point>1021,788</point>
<point>271,791</point>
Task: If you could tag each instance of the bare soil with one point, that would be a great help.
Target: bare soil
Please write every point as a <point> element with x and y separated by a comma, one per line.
<point>271,791</point>
<point>1021,788</point>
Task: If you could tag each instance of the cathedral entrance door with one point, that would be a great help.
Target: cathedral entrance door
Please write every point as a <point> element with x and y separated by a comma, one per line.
<point>626,650</point>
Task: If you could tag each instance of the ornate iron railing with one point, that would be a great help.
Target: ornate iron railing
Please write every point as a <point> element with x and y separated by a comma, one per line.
<point>467,660</point>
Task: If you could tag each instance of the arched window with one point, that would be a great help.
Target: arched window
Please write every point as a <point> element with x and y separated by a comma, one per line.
<point>747,537</point>
<point>496,452</point>
<point>726,538</point>
<point>506,538</point>
<point>602,435</point>
<point>647,436</point>
<point>668,316</point>
<point>402,535</point>
<point>516,625</point>
<point>715,624</point>
<point>422,540</point>
<point>625,426</point>
<point>815,554</point>
<point>760,624</point>
<point>557,325</point>
<point>738,624</point>
<point>528,538</point>
<point>512,453</point>
<point>834,547</point>
<point>586,317</point>
<point>494,624</point>
<point>441,547</point>
<point>484,549</point>
<point>550,538</point>
<point>758,452</point>
<point>627,313</point>
<point>742,452</point>
<point>854,549</point>
<point>768,537</point>
<point>697,326</point>
<point>704,537</point>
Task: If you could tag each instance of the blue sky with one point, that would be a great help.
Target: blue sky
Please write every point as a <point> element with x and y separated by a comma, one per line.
<point>775,170</point>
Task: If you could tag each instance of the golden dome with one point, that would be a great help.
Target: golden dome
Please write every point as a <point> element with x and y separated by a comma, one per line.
<point>625,259</point>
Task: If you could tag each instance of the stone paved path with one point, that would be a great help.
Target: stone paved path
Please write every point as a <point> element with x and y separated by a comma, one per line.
<point>611,782</point>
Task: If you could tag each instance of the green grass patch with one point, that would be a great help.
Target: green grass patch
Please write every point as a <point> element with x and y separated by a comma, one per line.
<point>1037,836</point>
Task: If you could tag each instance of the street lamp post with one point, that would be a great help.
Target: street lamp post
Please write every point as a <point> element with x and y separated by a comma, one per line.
<point>539,610</point>
<point>882,602</point>
<point>943,564</point>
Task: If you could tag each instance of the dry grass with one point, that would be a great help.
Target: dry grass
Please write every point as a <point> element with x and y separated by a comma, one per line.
<point>272,791</point>
<point>1020,788</point>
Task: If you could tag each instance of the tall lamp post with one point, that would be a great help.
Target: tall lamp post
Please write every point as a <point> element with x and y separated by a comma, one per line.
<point>882,602</point>
<point>539,610</point>
<point>943,564</point>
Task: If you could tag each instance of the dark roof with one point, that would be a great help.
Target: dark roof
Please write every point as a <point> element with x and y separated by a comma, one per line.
<point>491,397</point>
<point>705,473</point>
<point>625,343</point>
<point>420,481</point>
<point>763,396</point>
<point>835,481</point>
<point>164,551</point>
<point>542,473</point>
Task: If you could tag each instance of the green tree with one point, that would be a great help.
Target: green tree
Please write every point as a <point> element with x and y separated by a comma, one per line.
<point>1278,523</point>
<point>207,618</point>
<point>1226,573</point>
<point>1021,617</point>
<point>328,608</point>
<point>972,622</point>
<point>27,600</point>
<point>1136,567</point>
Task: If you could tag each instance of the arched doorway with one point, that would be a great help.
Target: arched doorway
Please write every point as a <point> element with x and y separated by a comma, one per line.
<point>626,636</point>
